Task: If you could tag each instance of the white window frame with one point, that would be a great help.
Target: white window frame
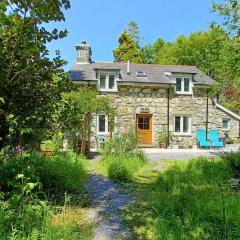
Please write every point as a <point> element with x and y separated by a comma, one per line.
<point>106,124</point>
<point>182,84</point>
<point>181,133</point>
<point>228,128</point>
<point>107,74</point>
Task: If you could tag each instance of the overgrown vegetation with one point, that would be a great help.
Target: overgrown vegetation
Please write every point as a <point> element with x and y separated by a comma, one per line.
<point>80,106</point>
<point>35,191</point>
<point>122,158</point>
<point>215,52</point>
<point>189,200</point>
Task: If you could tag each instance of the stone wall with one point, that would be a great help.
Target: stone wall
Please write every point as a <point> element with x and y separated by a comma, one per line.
<point>129,100</point>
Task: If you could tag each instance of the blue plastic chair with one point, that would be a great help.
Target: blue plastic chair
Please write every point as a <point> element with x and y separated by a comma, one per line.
<point>201,139</point>
<point>213,135</point>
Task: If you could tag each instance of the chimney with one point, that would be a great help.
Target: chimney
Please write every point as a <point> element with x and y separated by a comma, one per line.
<point>84,53</point>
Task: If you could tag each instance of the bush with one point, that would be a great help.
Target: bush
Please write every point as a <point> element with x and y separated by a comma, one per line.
<point>122,158</point>
<point>121,145</point>
<point>233,162</point>
<point>63,172</point>
<point>117,171</point>
<point>28,182</point>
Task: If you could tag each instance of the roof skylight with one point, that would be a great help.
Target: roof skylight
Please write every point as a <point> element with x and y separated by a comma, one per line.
<point>141,74</point>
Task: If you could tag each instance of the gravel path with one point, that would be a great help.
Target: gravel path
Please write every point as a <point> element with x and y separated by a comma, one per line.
<point>107,203</point>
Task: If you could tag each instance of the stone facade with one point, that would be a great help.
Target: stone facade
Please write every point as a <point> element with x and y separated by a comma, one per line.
<point>130,99</point>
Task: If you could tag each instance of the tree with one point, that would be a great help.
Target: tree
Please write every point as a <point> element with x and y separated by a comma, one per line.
<point>230,10</point>
<point>128,49</point>
<point>202,49</point>
<point>80,106</point>
<point>133,30</point>
<point>30,82</point>
<point>150,51</point>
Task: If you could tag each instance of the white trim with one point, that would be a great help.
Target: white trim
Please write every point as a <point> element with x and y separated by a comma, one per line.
<point>226,110</point>
<point>183,76</point>
<point>181,133</point>
<point>106,124</point>
<point>107,89</point>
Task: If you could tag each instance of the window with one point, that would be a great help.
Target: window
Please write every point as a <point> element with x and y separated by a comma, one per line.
<point>182,125</point>
<point>144,123</point>
<point>225,124</point>
<point>102,123</point>
<point>183,85</point>
<point>102,81</point>
<point>111,80</point>
<point>107,82</point>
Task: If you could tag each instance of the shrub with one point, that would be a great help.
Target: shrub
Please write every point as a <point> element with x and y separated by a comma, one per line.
<point>63,172</point>
<point>121,145</point>
<point>233,161</point>
<point>122,158</point>
<point>117,171</point>
<point>28,182</point>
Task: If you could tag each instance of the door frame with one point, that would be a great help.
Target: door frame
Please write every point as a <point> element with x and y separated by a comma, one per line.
<point>150,115</point>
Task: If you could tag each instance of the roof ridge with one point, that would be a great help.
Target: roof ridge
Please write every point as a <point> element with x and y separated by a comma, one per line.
<point>148,64</point>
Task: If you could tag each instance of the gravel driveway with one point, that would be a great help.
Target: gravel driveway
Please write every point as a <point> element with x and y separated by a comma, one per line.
<point>107,203</point>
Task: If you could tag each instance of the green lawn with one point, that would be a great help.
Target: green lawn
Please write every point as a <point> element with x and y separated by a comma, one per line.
<point>188,200</point>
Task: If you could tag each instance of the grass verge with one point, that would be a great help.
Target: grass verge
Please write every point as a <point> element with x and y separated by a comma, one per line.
<point>189,200</point>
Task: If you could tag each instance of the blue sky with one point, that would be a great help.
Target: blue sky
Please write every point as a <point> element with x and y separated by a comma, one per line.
<point>100,22</point>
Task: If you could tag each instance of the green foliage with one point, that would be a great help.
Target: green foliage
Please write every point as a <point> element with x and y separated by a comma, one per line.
<point>189,200</point>
<point>122,158</point>
<point>121,145</point>
<point>128,49</point>
<point>80,106</point>
<point>163,138</point>
<point>29,185</point>
<point>58,173</point>
<point>133,30</point>
<point>230,10</point>
<point>31,83</point>
<point>233,161</point>
<point>123,168</point>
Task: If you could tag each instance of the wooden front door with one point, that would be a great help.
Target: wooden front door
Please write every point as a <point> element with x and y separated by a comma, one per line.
<point>144,128</point>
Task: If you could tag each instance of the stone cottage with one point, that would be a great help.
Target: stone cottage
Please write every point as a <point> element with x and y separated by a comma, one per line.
<point>153,99</point>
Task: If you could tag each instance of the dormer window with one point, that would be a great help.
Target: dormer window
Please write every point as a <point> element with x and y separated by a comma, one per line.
<point>141,74</point>
<point>107,82</point>
<point>183,85</point>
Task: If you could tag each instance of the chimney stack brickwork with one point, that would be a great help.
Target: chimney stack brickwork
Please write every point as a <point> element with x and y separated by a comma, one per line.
<point>84,52</point>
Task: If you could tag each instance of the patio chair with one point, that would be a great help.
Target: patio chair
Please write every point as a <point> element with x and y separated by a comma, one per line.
<point>213,135</point>
<point>201,139</point>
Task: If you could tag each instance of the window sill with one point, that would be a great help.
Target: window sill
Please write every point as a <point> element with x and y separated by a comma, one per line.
<point>108,90</point>
<point>183,134</point>
<point>184,93</point>
<point>102,134</point>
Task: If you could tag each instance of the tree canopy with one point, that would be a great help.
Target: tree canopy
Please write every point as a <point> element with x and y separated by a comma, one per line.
<point>230,10</point>
<point>31,83</point>
<point>128,49</point>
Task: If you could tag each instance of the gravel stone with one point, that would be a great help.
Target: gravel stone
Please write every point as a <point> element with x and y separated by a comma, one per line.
<point>108,203</point>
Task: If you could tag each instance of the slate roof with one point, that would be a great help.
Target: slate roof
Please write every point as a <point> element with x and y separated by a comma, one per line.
<point>154,73</point>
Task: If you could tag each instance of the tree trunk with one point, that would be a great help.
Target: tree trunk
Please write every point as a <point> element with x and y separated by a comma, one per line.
<point>85,128</point>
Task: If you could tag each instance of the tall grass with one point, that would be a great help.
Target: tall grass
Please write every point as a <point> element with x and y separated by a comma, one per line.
<point>121,157</point>
<point>34,189</point>
<point>188,201</point>
<point>195,201</point>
